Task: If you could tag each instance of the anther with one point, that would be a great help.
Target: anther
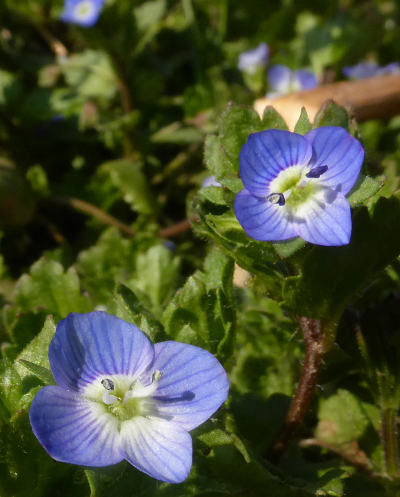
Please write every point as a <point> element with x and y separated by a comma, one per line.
<point>317,171</point>
<point>107,384</point>
<point>276,198</point>
<point>156,376</point>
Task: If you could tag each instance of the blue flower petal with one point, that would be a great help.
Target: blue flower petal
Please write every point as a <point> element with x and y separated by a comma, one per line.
<point>87,346</point>
<point>326,219</point>
<point>261,219</point>
<point>279,79</point>
<point>304,79</point>
<point>266,154</point>
<point>159,448</point>
<point>193,383</point>
<point>341,152</point>
<point>73,429</point>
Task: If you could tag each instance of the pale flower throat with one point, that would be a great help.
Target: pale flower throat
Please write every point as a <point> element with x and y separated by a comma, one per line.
<point>123,397</point>
<point>294,186</point>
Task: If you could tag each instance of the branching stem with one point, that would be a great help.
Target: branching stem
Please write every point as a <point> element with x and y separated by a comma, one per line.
<point>389,436</point>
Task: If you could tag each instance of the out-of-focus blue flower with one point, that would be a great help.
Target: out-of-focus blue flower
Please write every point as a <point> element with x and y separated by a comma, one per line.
<point>82,12</point>
<point>282,80</point>
<point>210,181</point>
<point>254,59</point>
<point>296,185</point>
<point>369,70</point>
<point>120,397</point>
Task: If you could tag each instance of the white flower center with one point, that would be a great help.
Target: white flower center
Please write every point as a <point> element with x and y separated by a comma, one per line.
<point>124,397</point>
<point>295,185</point>
<point>83,10</point>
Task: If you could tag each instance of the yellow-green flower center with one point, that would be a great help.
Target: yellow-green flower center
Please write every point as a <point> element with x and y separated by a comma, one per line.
<point>294,185</point>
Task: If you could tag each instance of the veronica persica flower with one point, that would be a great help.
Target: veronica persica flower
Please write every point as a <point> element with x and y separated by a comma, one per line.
<point>369,69</point>
<point>82,12</point>
<point>120,397</point>
<point>282,80</point>
<point>254,59</point>
<point>297,185</point>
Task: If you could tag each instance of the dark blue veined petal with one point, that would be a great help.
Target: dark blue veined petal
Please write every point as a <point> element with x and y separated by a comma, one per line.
<point>193,383</point>
<point>157,447</point>
<point>73,429</point>
<point>341,152</point>
<point>266,154</point>
<point>261,219</point>
<point>326,219</point>
<point>88,346</point>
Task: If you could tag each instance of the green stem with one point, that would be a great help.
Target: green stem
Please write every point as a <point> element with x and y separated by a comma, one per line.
<point>390,446</point>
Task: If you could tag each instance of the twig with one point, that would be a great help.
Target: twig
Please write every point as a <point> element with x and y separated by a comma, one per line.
<point>56,46</point>
<point>314,342</point>
<point>370,98</point>
<point>350,453</point>
<point>92,210</point>
<point>95,212</point>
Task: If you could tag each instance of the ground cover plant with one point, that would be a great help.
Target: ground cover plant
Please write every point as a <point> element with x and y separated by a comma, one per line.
<point>196,299</point>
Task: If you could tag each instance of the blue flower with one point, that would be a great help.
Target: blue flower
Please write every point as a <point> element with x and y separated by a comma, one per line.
<point>296,185</point>
<point>369,70</point>
<point>82,12</point>
<point>210,181</point>
<point>120,397</point>
<point>254,59</point>
<point>283,80</point>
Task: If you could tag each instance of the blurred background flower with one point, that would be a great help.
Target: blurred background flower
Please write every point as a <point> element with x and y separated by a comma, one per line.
<point>82,12</point>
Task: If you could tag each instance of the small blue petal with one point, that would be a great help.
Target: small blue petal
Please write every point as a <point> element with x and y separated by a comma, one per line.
<point>261,219</point>
<point>279,79</point>
<point>266,154</point>
<point>193,383</point>
<point>361,70</point>
<point>341,152</point>
<point>73,429</point>
<point>87,346</point>
<point>326,220</point>
<point>159,448</point>
<point>304,79</point>
<point>253,59</point>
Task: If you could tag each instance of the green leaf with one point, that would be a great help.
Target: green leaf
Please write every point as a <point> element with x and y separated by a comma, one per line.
<point>234,128</point>
<point>157,272</point>
<point>48,286</point>
<point>272,120</point>
<point>149,13</point>
<point>219,165</point>
<point>365,188</point>
<point>202,312</point>
<point>90,74</point>
<point>11,389</point>
<point>288,248</point>
<point>342,419</point>
<point>331,114</point>
<point>42,373</point>
<point>259,258</point>
<point>331,276</point>
<point>303,125</point>
<point>129,178</point>
<point>36,352</point>
<point>103,264</point>
<point>127,306</point>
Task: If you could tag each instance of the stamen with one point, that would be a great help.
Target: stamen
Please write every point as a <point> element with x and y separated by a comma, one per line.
<point>276,198</point>
<point>107,384</point>
<point>317,171</point>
